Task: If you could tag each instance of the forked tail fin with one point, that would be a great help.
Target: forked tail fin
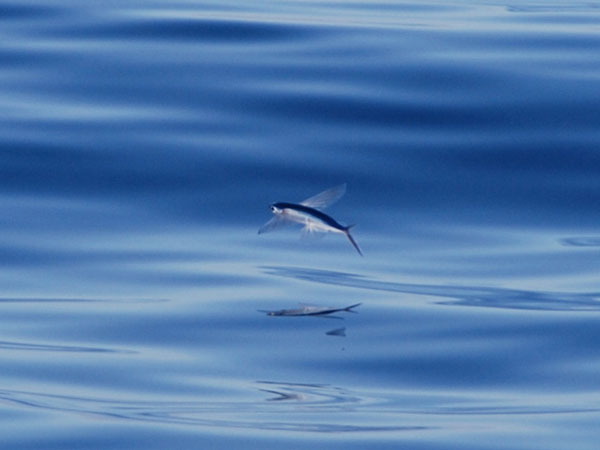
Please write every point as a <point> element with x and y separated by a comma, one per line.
<point>351,239</point>
<point>351,307</point>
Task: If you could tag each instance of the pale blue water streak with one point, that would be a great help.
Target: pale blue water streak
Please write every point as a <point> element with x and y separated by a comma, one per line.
<point>142,142</point>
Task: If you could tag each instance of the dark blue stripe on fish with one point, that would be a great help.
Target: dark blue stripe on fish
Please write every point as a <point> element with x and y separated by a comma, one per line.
<point>311,211</point>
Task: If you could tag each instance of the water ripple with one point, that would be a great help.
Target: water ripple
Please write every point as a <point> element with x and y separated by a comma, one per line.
<point>582,241</point>
<point>314,394</point>
<point>251,415</point>
<point>317,408</point>
<point>9,345</point>
<point>16,11</point>
<point>193,30</point>
<point>49,300</point>
<point>482,296</point>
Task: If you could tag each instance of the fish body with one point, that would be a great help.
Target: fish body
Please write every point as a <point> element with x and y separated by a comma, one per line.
<point>311,311</point>
<point>309,217</point>
<point>308,214</point>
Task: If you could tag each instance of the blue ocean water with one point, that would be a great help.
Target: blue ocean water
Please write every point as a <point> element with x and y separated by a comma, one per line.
<point>141,145</point>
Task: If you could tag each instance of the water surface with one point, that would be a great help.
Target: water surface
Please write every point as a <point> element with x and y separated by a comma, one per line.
<point>142,143</point>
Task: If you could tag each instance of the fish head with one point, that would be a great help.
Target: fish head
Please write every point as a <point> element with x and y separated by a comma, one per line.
<point>276,208</point>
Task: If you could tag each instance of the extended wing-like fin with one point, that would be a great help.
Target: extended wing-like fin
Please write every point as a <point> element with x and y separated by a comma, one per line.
<point>273,224</point>
<point>325,198</point>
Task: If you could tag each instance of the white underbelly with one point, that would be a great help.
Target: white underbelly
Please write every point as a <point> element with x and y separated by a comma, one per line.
<point>310,223</point>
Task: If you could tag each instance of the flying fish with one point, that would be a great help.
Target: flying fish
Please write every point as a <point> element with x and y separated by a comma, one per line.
<point>309,214</point>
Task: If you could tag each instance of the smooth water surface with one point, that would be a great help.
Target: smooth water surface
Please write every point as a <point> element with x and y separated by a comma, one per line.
<point>141,145</point>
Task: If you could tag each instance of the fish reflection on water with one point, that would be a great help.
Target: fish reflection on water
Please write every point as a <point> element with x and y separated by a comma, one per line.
<point>320,311</point>
<point>311,311</point>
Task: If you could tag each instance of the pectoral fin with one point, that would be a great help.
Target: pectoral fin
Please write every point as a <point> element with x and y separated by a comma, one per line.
<point>313,230</point>
<point>273,224</point>
<point>325,198</point>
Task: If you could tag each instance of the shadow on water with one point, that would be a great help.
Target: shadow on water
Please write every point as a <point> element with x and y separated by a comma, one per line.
<point>481,296</point>
<point>341,332</point>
